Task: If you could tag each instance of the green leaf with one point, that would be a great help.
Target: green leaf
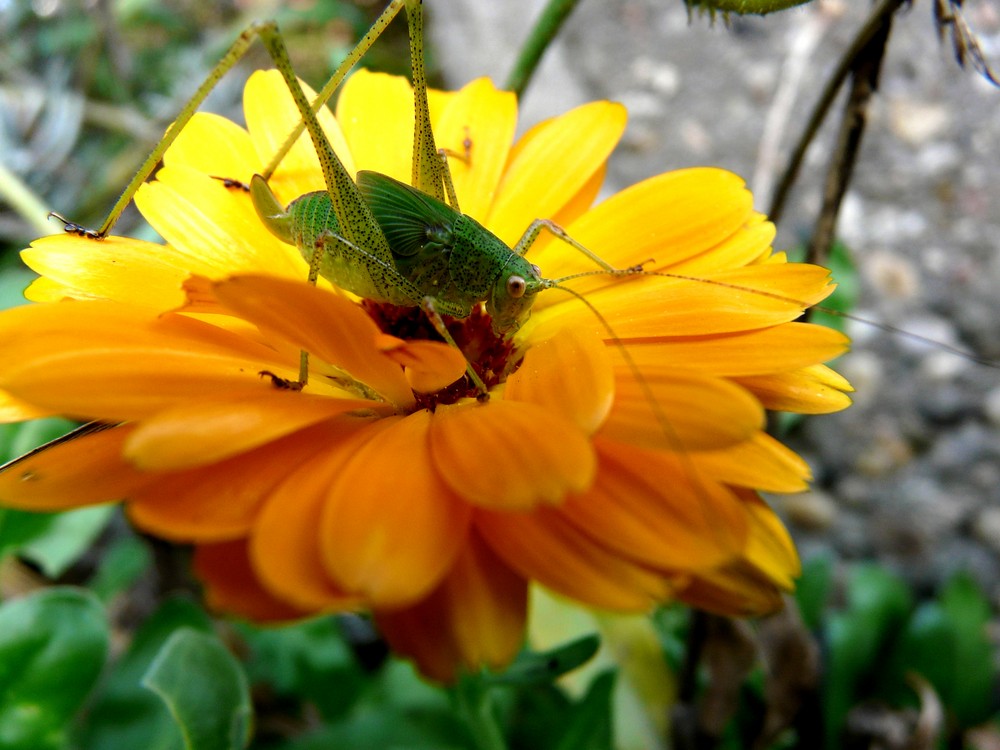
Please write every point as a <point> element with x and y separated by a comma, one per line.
<point>67,536</point>
<point>534,667</point>
<point>53,645</point>
<point>590,724</point>
<point>878,604</point>
<point>121,565</point>
<point>972,699</point>
<point>127,715</point>
<point>813,589</point>
<point>205,690</point>
<point>309,661</point>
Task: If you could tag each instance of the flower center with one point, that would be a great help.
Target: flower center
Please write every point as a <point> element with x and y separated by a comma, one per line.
<point>493,357</point>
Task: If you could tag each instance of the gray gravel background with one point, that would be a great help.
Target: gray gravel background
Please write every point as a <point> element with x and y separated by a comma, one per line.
<point>910,475</point>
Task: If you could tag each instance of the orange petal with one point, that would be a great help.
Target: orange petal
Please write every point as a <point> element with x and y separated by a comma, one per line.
<point>287,544</point>
<point>232,587</point>
<point>810,390</point>
<point>552,163</point>
<point>659,510</point>
<point>391,528</point>
<point>223,500</point>
<point>375,111</point>
<point>542,546</point>
<point>271,116</point>
<point>678,411</point>
<point>327,326</point>
<point>569,374</point>
<point>751,586</point>
<point>766,350</point>
<point>80,471</point>
<point>761,462</point>
<point>510,455</point>
<point>203,432</point>
<point>485,117</point>
<point>475,618</point>
<point>117,362</point>
<point>429,365</point>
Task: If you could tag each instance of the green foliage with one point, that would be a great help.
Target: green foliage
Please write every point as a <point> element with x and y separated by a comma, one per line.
<point>52,541</point>
<point>52,647</point>
<point>124,714</point>
<point>194,670</point>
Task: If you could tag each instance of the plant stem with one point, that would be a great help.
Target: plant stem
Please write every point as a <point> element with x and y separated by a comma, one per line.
<point>476,708</point>
<point>28,206</point>
<point>544,31</point>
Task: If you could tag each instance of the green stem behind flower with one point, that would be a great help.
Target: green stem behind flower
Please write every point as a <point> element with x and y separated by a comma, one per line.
<point>549,22</point>
<point>28,206</point>
<point>474,705</point>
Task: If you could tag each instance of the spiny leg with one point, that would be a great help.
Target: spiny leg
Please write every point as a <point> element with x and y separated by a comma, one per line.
<point>535,229</point>
<point>229,59</point>
<point>429,306</point>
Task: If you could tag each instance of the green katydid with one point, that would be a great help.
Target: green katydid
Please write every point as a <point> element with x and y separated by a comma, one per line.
<point>379,238</point>
<point>382,239</point>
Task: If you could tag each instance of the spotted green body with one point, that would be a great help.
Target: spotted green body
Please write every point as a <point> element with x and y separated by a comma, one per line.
<point>434,252</point>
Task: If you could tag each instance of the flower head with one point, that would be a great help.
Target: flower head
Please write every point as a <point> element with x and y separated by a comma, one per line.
<point>615,461</point>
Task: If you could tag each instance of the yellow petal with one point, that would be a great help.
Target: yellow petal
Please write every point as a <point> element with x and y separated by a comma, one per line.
<point>651,307</point>
<point>271,116</point>
<point>215,231</point>
<point>117,268</point>
<point>553,162</point>
<point>232,587</point>
<point>542,546</point>
<point>203,432</point>
<point>678,411</point>
<point>667,218</point>
<point>473,619</point>
<point>375,111</point>
<point>510,455</point>
<point>80,471</point>
<point>14,410</point>
<point>569,374</point>
<point>329,327</point>
<point>48,290</point>
<point>391,528</point>
<point>215,146</point>
<point>484,117</point>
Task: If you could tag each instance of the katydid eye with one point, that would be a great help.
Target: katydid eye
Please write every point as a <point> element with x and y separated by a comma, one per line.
<point>516,286</point>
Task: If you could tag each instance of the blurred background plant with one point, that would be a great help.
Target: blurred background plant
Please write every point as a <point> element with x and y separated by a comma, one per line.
<point>120,655</point>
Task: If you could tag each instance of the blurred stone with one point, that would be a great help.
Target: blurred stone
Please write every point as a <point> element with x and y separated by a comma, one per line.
<point>986,527</point>
<point>916,122</point>
<point>812,511</point>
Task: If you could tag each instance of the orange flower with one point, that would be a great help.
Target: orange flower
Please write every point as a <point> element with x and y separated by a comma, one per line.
<point>617,470</point>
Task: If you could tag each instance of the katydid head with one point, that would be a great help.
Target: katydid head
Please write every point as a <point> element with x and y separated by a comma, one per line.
<point>270,210</point>
<point>509,302</point>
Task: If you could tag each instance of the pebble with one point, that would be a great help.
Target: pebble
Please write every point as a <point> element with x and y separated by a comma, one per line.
<point>810,511</point>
